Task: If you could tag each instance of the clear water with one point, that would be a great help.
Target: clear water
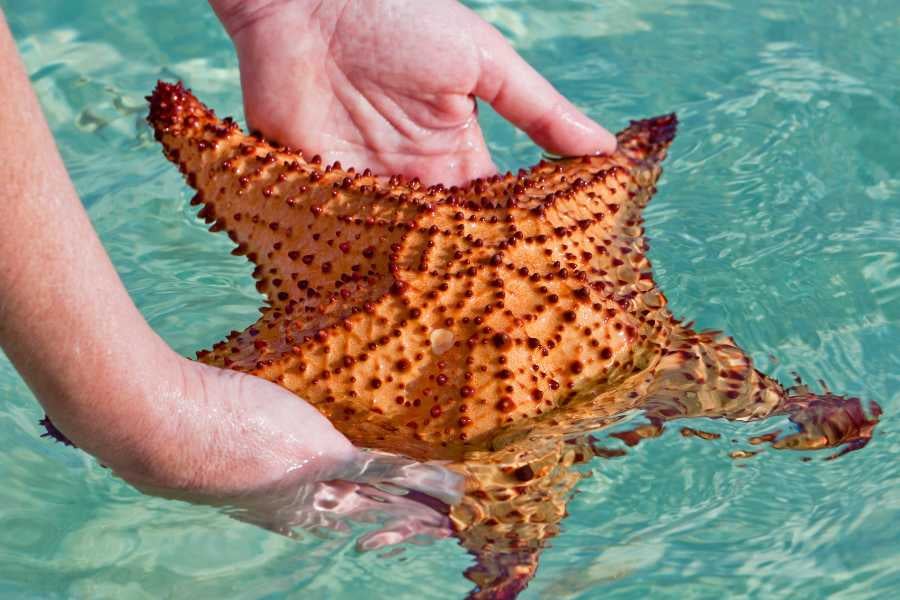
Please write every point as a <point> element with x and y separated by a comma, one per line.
<point>778,220</point>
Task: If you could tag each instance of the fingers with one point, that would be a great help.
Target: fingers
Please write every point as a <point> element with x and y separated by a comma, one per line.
<point>404,518</point>
<point>431,479</point>
<point>336,503</point>
<point>397,532</point>
<point>323,506</point>
<point>522,96</point>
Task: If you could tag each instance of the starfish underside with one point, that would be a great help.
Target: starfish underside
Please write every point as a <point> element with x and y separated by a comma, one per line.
<point>493,325</point>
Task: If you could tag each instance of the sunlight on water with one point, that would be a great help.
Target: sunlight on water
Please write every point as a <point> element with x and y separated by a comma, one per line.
<point>778,221</point>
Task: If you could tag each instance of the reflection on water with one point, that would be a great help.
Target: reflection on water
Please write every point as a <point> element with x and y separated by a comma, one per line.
<point>778,221</point>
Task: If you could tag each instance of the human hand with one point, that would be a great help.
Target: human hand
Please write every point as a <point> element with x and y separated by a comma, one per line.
<point>246,443</point>
<point>238,441</point>
<point>391,85</point>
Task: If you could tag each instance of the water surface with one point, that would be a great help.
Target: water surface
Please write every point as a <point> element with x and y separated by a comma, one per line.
<point>778,221</point>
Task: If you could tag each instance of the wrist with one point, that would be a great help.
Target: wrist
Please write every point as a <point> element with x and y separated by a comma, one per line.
<point>148,434</point>
<point>117,416</point>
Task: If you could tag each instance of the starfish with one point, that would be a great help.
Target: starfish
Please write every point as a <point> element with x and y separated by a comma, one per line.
<point>494,325</point>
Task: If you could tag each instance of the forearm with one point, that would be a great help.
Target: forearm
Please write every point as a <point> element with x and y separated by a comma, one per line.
<point>66,321</point>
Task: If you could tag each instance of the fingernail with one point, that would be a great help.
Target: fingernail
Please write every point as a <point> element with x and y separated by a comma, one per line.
<point>588,137</point>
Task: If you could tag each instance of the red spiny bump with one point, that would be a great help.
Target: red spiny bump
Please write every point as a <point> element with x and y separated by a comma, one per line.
<point>167,104</point>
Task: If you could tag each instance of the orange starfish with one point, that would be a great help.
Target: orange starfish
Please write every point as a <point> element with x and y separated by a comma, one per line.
<point>492,325</point>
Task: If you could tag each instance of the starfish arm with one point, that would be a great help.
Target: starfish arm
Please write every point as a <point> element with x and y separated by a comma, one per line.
<point>700,375</point>
<point>707,375</point>
<point>320,237</point>
<point>515,500</point>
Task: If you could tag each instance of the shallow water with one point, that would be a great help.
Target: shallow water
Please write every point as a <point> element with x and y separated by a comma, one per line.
<point>778,221</point>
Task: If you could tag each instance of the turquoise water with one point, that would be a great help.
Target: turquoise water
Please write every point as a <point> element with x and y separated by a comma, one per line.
<point>778,221</point>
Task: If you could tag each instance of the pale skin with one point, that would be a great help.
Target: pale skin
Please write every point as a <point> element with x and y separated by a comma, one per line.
<point>391,85</point>
<point>379,84</point>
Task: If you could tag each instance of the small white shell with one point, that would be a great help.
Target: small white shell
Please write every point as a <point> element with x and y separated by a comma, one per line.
<point>441,341</point>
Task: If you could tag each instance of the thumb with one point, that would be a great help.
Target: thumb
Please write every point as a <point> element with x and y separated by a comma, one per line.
<point>522,96</point>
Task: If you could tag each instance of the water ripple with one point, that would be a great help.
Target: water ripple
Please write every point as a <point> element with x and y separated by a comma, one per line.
<point>778,220</point>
